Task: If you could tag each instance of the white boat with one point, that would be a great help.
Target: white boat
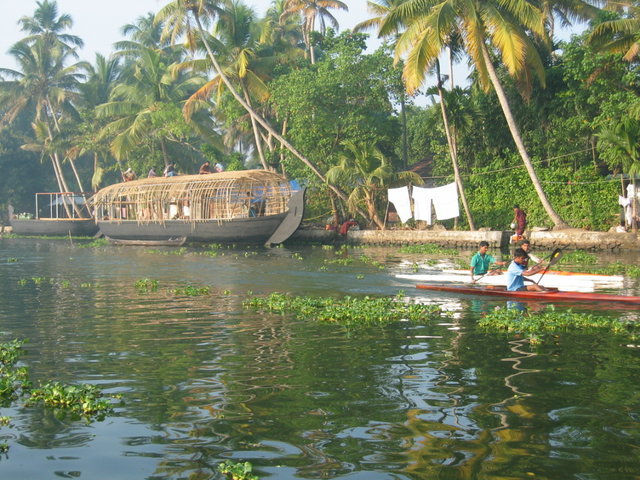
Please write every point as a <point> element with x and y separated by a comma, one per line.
<point>564,281</point>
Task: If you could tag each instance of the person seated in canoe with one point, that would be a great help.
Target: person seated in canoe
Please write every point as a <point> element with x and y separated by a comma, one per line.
<point>482,261</point>
<point>526,246</point>
<point>518,270</point>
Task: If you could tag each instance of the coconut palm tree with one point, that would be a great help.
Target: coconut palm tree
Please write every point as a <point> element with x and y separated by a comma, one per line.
<point>46,85</point>
<point>426,25</point>
<point>310,10</point>
<point>381,10</point>
<point>48,26</point>
<point>136,106</point>
<point>188,17</point>
<point>365,169</point>
<point>237,41</point>
<point>621,35</point>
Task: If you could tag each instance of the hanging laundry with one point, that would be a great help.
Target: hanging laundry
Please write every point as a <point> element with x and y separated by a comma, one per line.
<point>445,202</point>
<point>422,199</point>
<point>400,199</point>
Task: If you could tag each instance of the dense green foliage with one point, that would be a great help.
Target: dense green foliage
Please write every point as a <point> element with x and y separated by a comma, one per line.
<point>150,103</point>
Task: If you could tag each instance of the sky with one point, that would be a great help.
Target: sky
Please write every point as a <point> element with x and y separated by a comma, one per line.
<point>98,22</point>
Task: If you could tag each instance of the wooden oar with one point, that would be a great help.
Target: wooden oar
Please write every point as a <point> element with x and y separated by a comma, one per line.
<point>553,259</point>
<point>484,274</point>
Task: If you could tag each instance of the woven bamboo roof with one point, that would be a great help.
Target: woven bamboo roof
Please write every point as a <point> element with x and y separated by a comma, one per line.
<point>181,185</point>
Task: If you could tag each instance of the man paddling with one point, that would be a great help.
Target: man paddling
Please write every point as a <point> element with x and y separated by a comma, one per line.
<point>518,270</point>
<point>481,261</point>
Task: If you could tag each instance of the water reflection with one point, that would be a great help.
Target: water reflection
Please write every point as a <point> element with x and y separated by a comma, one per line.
<point>206,380</point>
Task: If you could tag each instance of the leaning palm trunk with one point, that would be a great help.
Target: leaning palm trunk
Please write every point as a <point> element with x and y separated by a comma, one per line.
<point>453,149</point>
<point>71,162</point>
<point>515,133</point>
<point>256,131</point>
<point>259,119</point>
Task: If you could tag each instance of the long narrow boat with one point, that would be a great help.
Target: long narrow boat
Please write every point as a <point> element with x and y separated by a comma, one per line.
<point>57,214</point>
<point>549,295</point>
<point>248,206</point>
<point>582,283</point>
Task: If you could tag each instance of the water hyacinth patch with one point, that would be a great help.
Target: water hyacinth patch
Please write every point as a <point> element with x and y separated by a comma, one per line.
<point>348,311</point>
<point>146,285</point>
<point>237,471</point>
<point>82,400</point>
<point>552,321</point>
<point>191,291</point>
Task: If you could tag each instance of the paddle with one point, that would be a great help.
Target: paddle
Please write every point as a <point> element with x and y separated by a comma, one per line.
<point>491,271</point>
<point>553,259</point>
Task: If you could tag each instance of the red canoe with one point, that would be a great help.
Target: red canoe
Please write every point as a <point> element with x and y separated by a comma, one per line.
<point>550,295</point>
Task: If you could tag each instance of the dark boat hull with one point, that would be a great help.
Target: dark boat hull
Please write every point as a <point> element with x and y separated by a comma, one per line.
<point>241,230</point>
<point>550,296</point>
<point>55,227</point>
<point>269,229</point>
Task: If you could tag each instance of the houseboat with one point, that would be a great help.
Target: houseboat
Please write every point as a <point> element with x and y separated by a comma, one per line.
<point>247,206</point>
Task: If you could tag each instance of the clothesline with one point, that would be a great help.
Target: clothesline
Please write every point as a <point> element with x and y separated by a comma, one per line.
<point>510,168</point>
<point>441,200</point>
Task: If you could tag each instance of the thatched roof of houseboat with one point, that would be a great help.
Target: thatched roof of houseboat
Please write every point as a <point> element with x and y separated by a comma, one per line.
<point>158,188</point>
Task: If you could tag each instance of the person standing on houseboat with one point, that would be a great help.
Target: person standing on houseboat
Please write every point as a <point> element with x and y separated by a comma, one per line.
<point>169,170</point>
<point>152,173</point>
<point>205,168</point>
<point>129,175</point>
<point>482,261</point>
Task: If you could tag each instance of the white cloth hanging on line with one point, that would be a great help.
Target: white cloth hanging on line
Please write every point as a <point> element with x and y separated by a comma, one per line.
<point>445,202</point>
<point>401,201</point>
<point>422,200</point>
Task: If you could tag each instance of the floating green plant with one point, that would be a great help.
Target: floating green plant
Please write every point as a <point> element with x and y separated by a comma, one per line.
<point>86,285</point>
<point>428,248</point>
<point>98,242</point>
<point>237,471</point>
<point>191,291</point>
<point>578,257</point>
<point>12,259</point>
<point>38,280</point>
<point>297,256</point>
<point>23,281</point>
<point>84,400</point>
<point>146,285</point>
<point>551,321</point>
<point>349,311</point>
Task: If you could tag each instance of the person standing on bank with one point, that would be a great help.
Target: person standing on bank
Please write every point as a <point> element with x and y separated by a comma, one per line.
<point>482,261</point>
<point>518,270</point>
<point>520,220</point>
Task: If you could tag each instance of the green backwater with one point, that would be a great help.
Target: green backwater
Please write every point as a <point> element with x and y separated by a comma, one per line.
<point>205,380</point>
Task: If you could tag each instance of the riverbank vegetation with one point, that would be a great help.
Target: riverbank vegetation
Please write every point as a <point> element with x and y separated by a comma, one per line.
<point>278,93</point>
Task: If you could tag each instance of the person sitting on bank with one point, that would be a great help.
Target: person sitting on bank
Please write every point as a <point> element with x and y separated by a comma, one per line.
<point>482,261</point>
<point>152,173</point>
<point>129,175</point>
<point>205,168</point>
<point>526,246</point>
<point>518,270</point>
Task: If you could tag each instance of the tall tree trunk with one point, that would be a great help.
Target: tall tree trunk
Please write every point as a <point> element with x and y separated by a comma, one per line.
<point>517,138</point>
<point>261,120</point>
<point>71,162</point>
<point>165,156</point>
<point>403,116</point>
<point>453,150</point>
<point>256,132</point>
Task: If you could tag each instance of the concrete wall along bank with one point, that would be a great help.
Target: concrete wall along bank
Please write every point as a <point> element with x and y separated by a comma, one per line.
<point>571,238</point>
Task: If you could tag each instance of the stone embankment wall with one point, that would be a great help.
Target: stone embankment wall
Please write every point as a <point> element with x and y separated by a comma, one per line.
<point>571,238</point>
